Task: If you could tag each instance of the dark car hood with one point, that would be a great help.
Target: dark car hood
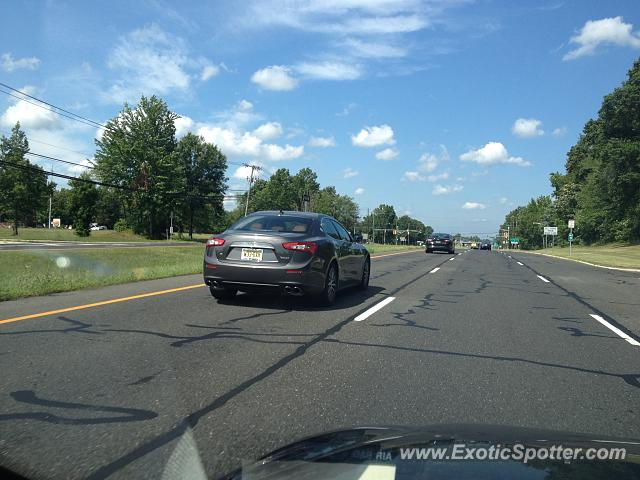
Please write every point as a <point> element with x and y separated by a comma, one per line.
<point>358,445</point>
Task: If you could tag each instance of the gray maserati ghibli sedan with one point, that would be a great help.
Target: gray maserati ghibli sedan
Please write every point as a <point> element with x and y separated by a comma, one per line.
<point>293,253</point>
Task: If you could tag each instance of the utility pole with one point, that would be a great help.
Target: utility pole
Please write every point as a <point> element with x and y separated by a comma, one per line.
<point>253,169</point>
<point>50,200</point>
<point>374,227</point>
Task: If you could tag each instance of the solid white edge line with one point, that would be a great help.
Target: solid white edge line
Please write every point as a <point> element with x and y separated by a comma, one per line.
<point>519,263</point>
<point>615,330</point>
<point>435,270</point>
<point>543,279</point>
<point>452,258</point>
<point>374,309</point>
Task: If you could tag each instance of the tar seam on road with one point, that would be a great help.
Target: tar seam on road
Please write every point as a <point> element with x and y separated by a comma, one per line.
<point>374,309</point>
<point>133,297</point>
<point>601,314</point>
<point>615,330</point>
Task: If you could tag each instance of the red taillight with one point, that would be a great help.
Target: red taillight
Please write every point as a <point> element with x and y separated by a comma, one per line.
<point>215,242</point>
<point>309,247</point>
<point>447,241</point>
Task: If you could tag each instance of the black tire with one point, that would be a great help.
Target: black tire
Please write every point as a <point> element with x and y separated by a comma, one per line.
<point>428,251</point>
<point>223,293</point>
<point>366,273</point>
<point>328,295</point>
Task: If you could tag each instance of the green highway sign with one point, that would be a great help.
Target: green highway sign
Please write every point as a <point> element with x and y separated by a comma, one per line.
<point>515,241</point>
<point>570,236</point>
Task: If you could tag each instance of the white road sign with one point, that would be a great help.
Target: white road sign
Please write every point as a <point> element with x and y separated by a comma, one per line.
<point>572,224</point>
<point>550,230</point>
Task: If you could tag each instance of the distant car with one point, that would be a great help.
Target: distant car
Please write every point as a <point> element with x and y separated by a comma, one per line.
<point>474,245</point>
<point>440,242</point>
<point>98,227</point>
<point>294,253</point>
<point>485,246</point>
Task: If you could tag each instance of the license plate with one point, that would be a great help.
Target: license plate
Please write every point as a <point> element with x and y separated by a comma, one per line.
<point>253,254</point>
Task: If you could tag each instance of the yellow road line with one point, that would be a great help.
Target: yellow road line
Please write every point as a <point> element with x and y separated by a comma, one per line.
<point>98,304</point>
<point>134,297</point>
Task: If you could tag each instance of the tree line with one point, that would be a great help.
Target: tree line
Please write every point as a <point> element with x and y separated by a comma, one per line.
<point>600,188</point>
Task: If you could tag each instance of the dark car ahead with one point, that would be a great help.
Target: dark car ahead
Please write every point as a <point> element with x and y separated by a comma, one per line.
<point>294,253</point>
<point>485,246</point>
<point>440,242</point>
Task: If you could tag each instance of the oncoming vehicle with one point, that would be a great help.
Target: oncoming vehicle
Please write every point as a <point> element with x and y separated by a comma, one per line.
<point>442,242</point>
<point>485,245</point>
<point>474,245</point>
<point>293,253</point>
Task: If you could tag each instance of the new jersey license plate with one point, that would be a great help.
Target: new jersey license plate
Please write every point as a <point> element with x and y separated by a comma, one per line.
<point>252,254</point>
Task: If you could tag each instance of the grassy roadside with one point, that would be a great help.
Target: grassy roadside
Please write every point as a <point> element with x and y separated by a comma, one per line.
<point>59,234</point>
<point>614,255</point>
<point>31,273</point>
<point>376,248</point>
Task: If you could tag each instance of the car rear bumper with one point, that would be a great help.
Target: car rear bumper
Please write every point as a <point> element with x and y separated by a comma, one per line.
<point>250,278</point>
<point>439,248</point>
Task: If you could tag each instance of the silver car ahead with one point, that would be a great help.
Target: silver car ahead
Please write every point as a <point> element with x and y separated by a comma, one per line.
<point>295,253</point>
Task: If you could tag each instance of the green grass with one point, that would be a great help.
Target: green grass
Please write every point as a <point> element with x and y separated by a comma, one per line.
<point>612,255</point>
<point>376,248</point>
<point>69,235</point>
<point>29,273</point>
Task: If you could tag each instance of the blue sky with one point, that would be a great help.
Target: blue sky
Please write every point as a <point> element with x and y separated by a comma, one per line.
<point>452,111</point>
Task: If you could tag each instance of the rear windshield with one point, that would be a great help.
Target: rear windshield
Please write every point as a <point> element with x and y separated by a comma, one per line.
<point>273,223</point>
<point>440,235</point>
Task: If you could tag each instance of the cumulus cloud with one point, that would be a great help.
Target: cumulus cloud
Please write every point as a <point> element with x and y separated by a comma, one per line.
<point>474,206</point>
<point>440,176</point>
<point>527,128</point>
<point>30,116</point>
<point>148,61</point>
<point>322,142</point>
<point>493,153</point>
<point>427,162</point>
<point>387,154</point>
<point>183,126</point>
<point>446,189</point>
<point>209,71</point>
<point>9,64</point>
<point>559,132</point>
<point>275,77</point>
<point>349,173</point>
<point>413,176</point>
<point>359,191</point>
<point>374,136</point>
<point>607,31</point>
<point>268,131</point>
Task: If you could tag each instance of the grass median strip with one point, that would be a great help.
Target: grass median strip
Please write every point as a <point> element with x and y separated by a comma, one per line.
<point>39,272</point>
<point>615,255</point>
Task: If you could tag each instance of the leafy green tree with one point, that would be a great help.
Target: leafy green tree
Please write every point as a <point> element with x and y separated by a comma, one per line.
<point>23,185</point>
<point>108,208</point>
<point>61,206</point>
<point>203,179</point>
<point>137,153</point>
<point>84,196</point>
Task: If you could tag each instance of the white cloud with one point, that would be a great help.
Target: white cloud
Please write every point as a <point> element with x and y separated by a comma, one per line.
<point>387,154</point>
<point>183,126</point>
<point>359,191</point>
<point>527,128</point>
<point>559,132</point>
<point>440,176</point>
<point>275,77</point>
<point>361,49</point>
<point>446,189</point>
<point>480,174</point>
<point>493,153</point>
<point>374,136</point>
<point>268,131</point>
<point>427,162</point>
<point>9,64</point>
<point>607,31</point>
<point>148,61</point>
<point>503,200</point>
<point>209,71</point>
<point>413,176</point>
<point>322,142</point>
<point>349,173</point>
<point>347,110</point>
<point>474,206</point>
<point>245,105</point>
<point>329,71</point>
<point>231,142</point>
<point>277,152</point>
<point>30,116</point>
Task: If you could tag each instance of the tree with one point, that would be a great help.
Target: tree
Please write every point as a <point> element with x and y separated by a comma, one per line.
<point>61,206</point>
<point>23,185</point>
<point>202,175</point>
<point>84,196</point>
<point>108,208</point>
<point>137,153</point>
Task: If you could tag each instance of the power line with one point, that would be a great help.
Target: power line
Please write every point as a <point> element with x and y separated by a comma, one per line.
<point>60,160</point>
<point>31,139</point>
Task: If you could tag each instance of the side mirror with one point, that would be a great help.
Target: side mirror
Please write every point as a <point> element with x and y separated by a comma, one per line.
<point>357,238</point>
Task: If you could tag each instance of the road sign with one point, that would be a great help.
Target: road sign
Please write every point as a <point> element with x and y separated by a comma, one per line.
<point>515,241</point>
<point>550,230</point>
<point>402,239</point>
<point>571,237</point>
<point>571,224</point>
<point>365,236</point>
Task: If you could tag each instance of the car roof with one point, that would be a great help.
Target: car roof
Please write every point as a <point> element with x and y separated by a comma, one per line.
<point>313,215</point>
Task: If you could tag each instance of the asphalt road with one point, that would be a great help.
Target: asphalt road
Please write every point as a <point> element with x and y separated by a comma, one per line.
<point>111,390</point>
<point>64,245</point>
